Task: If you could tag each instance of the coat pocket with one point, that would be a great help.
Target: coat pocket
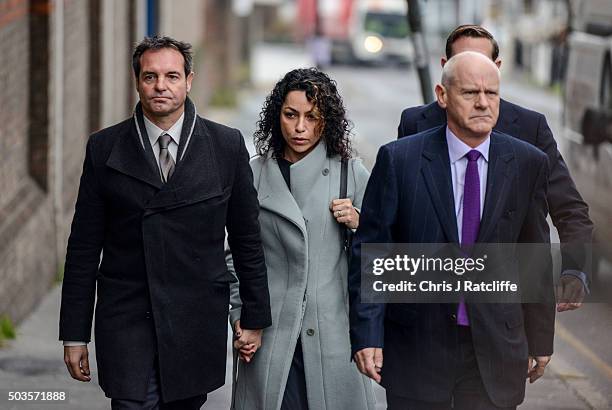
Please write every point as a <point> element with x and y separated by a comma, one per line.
<point>514,321</point>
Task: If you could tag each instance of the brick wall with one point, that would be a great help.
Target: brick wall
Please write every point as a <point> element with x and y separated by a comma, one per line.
<point>76,96</point>
<point>36,206</point>
<point>27,262</point>
<point>14,88</point>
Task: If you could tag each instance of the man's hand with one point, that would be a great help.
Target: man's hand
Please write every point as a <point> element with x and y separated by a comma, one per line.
<point>77,362</point>
<point>570,293</point>
<point>247,341</point>
<point>370,362</point>
<point>536,366</point>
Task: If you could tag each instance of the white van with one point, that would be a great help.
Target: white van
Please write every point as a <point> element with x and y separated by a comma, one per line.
<point>588,111</point>
<point>372,31</point>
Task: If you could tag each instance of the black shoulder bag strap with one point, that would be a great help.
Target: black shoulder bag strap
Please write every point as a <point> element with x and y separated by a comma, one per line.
<point>343,189</point>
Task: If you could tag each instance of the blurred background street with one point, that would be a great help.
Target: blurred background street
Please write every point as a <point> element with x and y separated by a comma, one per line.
<point>65,72</point>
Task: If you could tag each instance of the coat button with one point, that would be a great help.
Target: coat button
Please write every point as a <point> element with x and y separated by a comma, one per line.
<point>325,172</point>
<point>453,317</point>
<point>310,332</point>
<point>148,314</point>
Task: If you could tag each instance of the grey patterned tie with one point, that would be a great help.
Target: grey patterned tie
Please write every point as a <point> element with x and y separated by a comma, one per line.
<point>166,162</point>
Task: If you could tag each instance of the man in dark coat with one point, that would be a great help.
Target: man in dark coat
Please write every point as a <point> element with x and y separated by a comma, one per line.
<point>157,193</point>
<point>568,211</point>
<point>462,183</point>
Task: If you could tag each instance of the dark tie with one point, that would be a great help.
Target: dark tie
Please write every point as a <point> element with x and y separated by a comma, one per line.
<point>471,218</point>
<point>166,163</point>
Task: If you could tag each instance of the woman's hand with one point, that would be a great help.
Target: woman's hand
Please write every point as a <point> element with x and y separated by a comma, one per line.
<point>343,211</point>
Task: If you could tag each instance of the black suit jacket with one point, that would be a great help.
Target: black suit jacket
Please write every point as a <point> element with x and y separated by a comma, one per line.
<point>568,211</point>
<point>409,199</point>
<point>162,282</point>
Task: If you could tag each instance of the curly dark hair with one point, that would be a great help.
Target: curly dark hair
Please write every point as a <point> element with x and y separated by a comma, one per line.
<point>323,93</point>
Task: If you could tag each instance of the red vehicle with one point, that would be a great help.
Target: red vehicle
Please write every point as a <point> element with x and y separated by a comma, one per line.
<point>366,31</point>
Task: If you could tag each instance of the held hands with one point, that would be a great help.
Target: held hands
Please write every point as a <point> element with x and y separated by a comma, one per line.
<point>343,211</point>
<point>536,366</point>
<point>247,342</point>
<point>369,362</point>
<point>570,293</point>
<point>77,362</point>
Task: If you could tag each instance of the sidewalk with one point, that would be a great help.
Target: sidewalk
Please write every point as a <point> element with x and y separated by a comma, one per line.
<point>33,362</point>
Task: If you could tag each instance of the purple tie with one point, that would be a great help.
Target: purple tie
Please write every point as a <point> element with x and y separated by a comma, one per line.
<point>471,218</point>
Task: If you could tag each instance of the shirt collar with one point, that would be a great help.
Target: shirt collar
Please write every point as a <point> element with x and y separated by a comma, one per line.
<point>153,131</point>
<point>458,149</point>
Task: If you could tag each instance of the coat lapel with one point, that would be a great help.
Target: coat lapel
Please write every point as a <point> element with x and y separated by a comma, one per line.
<point>498,184</point>
<point>189,123</point>
<point>129,157</point>
<point>432,116</point>
<point>306,179</point>
<point>508,120</point>
<point>196,176</point>
<point>437,174</point>
<point>274,195</point>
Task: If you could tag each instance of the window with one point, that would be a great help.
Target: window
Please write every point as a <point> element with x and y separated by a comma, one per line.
<point>386,24</point>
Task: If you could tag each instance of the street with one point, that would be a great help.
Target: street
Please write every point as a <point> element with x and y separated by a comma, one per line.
<point>579,376</point>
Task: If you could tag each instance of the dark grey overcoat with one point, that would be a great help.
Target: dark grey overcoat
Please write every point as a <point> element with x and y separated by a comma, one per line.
<point>162,283</point>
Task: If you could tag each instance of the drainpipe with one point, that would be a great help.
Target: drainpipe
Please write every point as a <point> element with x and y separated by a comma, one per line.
<point>58,128</point>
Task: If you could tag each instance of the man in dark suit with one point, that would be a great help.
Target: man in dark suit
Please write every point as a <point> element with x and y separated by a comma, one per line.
<point>157,193</point>
<point>569,213</point>
<point>460,183</point>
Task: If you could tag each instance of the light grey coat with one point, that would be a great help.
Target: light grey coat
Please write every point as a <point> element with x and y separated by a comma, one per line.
<point>307,277</point>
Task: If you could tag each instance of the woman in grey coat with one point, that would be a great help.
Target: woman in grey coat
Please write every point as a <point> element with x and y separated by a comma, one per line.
<point>304,361</point>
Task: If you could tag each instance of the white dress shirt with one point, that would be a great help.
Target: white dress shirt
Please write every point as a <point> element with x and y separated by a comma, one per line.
<point>154,132</point>
<point>457,151</point>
